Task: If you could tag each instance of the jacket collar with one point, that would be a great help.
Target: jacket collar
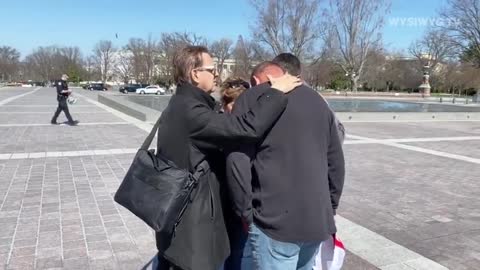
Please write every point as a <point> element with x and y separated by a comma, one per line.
<point>187,89</point>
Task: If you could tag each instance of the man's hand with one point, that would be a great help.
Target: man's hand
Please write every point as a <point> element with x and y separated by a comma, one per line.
<point>286,83</point>
<point>245,225</point>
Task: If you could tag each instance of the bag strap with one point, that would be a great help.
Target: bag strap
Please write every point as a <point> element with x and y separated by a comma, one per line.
<point>149,139</point>
<point>201,168</point>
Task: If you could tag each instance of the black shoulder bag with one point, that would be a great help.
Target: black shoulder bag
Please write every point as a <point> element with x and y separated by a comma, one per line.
<point>155,189</point>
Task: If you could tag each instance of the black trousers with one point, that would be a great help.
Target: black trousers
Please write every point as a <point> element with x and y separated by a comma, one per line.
<point>62,106</point>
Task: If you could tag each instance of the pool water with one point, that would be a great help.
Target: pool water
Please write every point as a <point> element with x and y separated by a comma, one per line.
<point>361,105</point>
<point>339,105</point>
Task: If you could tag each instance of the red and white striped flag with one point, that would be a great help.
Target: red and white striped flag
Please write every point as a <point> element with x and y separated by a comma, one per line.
<point>330,255</point>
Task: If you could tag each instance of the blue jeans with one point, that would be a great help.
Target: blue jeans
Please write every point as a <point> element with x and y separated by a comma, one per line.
<point>240,251</point>
<point>270,254</point>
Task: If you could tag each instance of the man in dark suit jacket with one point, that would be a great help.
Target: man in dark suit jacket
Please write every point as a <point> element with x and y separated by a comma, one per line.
<point>287,187</point>
<point>192,131</point>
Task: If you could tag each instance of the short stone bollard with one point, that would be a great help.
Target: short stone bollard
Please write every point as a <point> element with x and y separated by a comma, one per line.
<point>476,98</point>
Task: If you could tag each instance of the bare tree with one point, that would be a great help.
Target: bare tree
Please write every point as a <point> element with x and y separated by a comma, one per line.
<point>259,53</point>
<point>401,73</point>
<point>135,46</point>
<point>42,62</point>
<point>123,65</point>
<point>287,25</point>
<point>150,55</point>
<point>187,38</point>
<point>323,67</point>
<point>9,62</point>
<point>356,28</point>
<point>71,55</point>
<point>320,73</point>
<point>374,71</point>
<point>458,78</point>
<point>244,55</point>
<point>171,42</point>
<point>469,79</point>
<point>471,55</point>
<point>222,50</point>
<point>49,63</point>
<point>145,56</point>
<point>91,69</point>
<point>433,48</point>
<point>69,60</point>
<point>104,56</point>
<point>461,21</point>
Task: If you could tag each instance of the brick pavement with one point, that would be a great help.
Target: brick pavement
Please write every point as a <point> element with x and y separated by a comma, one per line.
<point>64,138</point>
<point>413,129</point>
<point>466,148</point>
<point>42,105</point>
<point>423,202</point>
<point>58,213</point>
<point>6,92</point>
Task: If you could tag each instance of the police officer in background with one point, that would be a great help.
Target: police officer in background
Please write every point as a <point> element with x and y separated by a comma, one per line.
<point>62,96</point>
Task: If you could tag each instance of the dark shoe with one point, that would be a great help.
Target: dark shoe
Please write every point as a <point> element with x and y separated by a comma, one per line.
<point>73,123</point>
<point>54,123</point>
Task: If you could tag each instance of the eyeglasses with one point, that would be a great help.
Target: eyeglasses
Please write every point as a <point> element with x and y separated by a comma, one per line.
<point>211,70</point>
<point>238,83</point>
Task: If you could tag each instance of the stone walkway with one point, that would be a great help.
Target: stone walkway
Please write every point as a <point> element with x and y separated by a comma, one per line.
<point>401,208</point>
<point>57,212</point>
<point>424,198</point>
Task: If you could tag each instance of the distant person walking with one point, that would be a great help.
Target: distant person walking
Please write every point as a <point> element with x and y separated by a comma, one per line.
<point>62,96</point>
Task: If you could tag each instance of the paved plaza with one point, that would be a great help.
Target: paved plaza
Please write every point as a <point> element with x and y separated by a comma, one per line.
<point>410,199</point>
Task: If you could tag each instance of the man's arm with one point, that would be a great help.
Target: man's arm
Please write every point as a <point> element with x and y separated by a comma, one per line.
<point>65,88</point>
<point>213,130</point>
<point>239,180</point>
<point>338,124</point>
<point>340,129</point>
<point>60,88</point>
<point>336,164</point>
<point>239,168</point>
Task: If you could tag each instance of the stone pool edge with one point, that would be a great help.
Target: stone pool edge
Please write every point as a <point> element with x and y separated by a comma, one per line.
<point>407,116</point>
<point>132,109</point>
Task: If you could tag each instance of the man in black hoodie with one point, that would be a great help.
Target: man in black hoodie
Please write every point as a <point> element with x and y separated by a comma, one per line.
<point>287,187</point>
<point>292,65</point>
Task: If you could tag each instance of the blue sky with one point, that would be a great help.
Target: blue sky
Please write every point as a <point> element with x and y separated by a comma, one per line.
<point>26,24</point>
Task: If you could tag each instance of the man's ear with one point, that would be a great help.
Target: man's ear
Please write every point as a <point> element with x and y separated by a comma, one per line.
<point>257,80</point>
<point>194,76</point>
